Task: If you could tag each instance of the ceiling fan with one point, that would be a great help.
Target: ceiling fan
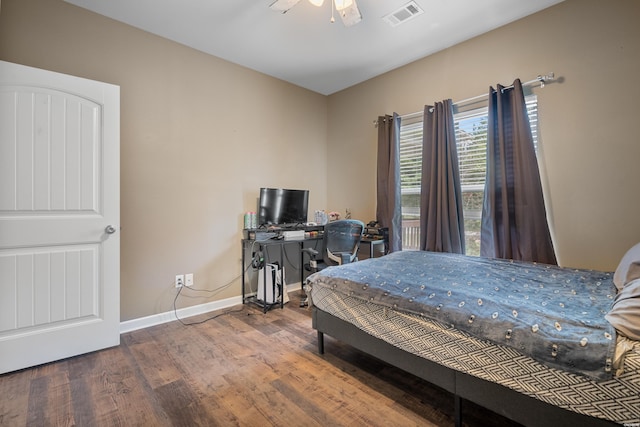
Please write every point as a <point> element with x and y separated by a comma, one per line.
<point>347,9</point>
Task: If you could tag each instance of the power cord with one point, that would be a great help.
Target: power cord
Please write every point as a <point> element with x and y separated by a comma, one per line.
<point>211,291</point>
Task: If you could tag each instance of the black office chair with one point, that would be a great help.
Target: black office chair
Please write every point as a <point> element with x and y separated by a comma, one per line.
<point>340,243</point>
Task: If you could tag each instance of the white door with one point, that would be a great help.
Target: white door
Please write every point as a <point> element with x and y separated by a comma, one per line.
<point>59,216</point>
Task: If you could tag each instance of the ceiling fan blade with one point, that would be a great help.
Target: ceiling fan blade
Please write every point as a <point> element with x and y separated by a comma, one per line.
<point>351,15</point>
<point>342,4</point>
<point>283,5</point>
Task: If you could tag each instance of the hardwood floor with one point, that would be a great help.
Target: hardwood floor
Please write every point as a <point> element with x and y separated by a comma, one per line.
<point>243,368</point>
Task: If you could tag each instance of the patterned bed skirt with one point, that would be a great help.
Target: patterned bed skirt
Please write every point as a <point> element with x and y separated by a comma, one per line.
<point>617,399</point>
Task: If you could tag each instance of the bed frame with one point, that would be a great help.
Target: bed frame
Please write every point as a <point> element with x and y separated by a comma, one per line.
<point>495,397</point>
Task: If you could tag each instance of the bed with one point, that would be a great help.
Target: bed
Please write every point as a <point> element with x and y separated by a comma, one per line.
<point>539,344</point>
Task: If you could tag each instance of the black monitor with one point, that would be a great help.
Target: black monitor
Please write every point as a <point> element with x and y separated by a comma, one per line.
<point>280,206</point>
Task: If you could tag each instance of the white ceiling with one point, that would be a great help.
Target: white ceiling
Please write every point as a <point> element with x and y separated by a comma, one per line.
<point>302,46</point>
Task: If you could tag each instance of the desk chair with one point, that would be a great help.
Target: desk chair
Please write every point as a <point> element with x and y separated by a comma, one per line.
<point>340,243</point>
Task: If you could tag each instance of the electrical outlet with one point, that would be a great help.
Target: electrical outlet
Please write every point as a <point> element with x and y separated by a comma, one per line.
<point>179,280</point>
<point>188,279</point>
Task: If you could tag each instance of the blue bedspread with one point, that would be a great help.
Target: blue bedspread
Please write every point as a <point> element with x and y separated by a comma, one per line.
<point>554,315</point>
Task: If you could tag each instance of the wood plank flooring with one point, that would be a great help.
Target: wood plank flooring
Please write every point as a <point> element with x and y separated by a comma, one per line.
<point>242,368</point>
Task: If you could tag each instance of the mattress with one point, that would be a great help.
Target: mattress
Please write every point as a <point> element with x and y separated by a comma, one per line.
<point>555,315</point>
<point>616,399</point>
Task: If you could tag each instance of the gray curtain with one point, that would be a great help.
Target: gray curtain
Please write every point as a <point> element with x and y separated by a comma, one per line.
<point>514,219</point>
<point>388,209</point>
<point>441,219</point>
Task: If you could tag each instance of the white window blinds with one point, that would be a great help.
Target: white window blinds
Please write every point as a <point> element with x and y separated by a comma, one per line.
<point>471,141</point>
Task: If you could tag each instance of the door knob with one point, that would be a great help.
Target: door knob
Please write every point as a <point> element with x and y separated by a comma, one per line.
<point>110,229</point>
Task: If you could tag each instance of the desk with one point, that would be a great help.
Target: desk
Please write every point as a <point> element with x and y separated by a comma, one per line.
<point>263,246</point>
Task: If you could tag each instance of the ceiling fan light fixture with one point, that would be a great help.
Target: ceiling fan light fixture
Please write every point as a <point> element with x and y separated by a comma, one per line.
<point>347,9</point>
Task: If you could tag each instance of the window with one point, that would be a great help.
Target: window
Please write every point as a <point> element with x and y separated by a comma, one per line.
<point>471,142</point>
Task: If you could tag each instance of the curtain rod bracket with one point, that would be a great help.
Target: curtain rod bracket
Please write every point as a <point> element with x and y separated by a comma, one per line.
<point>544,79</point>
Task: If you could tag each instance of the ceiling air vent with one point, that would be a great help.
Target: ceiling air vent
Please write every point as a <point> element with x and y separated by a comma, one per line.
<point>405,13</point>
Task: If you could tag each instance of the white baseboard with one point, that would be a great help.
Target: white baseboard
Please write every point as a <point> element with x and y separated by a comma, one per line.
<point>170,316</point>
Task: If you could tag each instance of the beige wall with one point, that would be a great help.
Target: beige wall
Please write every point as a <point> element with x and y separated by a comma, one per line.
<point>187,177</point>
<point>590,168</point>
<point>199,137</point>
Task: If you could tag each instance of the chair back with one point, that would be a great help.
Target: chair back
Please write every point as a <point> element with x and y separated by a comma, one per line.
<point>341,241</point>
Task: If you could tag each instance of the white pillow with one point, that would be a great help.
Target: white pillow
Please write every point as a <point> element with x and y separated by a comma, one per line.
<point>625,311</point>
<point>629,268</point>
